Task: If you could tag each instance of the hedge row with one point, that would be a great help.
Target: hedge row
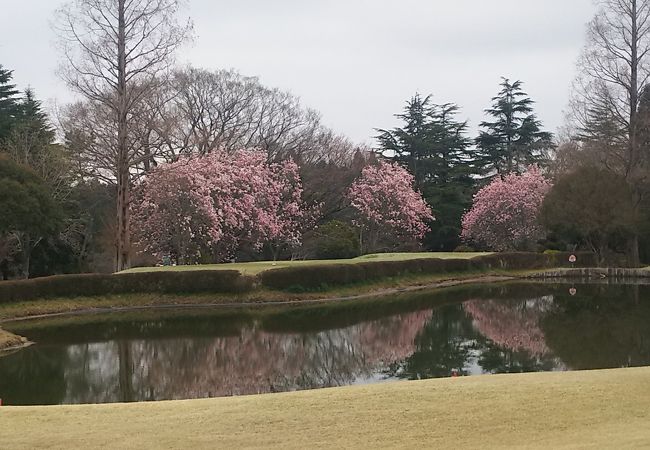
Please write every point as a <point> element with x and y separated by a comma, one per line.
<point>291,278</point>
<point>318,277</point>
<point>86,285</point>
<point>527,261</point>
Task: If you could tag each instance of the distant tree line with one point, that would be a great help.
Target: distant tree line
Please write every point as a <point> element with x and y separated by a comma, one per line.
<point>598,168</point>
<point>450,166</point>
<point>82,187</point>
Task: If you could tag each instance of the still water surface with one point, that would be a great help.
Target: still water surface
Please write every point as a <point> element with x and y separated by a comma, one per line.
<point>208,353</point>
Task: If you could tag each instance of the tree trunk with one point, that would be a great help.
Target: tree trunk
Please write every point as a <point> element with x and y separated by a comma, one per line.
<point>276,248</point>
<point>372,241</point>
<point>633,251</point>
<point>633,161</point>
<point>123,244</point>
<point>602,254</point>
<point>26,262</point>
<point>4,269</point>
<point>361,241</point>
<point>25,254</point>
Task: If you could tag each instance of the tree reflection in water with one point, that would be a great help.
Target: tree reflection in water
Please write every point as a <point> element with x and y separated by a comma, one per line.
<point>442,348</point>
<point>511,337</point>
<point>498,330</point>
<point>255,361</point>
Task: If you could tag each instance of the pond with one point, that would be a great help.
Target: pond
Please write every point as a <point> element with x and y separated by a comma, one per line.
<point>464,331</point>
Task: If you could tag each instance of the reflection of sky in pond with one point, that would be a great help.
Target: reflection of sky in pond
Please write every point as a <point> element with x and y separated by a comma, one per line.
<point>495,330</point>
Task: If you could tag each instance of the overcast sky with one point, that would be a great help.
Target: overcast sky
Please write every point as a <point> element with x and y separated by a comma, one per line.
<point>356,61</point>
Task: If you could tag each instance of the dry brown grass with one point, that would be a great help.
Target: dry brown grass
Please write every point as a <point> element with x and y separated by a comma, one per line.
<point>9,340</point>
<point>599,409</point>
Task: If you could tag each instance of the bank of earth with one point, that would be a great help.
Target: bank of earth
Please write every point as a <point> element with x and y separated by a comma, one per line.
<point>331,281</point>
<point>64,306</point>
<point>10,342</point>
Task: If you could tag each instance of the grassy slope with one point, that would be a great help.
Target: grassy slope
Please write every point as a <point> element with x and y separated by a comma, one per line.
<point>383,287</point>
<point>253,268</point>
<point>8,340</point>
<point>580,409</point>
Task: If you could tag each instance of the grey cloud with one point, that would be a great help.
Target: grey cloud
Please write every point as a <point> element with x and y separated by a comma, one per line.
<point>356,61</point>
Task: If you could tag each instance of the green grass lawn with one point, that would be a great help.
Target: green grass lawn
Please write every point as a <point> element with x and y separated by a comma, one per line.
<point>597,409</point>
<point>253,268</point>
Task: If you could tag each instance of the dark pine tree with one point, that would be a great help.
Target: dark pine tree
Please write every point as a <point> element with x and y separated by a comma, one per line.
<point>408,145</point>
<point>8,103</point>
<point>31,134</point>
<point>515,138</point>
<point>31,143</point>
<point>433,144</point>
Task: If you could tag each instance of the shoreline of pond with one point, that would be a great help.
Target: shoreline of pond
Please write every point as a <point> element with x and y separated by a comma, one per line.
<point>500,327</point>
<point>10,342</point>
<point>593,273</point>
<point>85,306</point>
<point>81,306</point>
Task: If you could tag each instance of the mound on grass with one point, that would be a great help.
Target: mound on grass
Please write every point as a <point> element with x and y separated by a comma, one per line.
<point>598,409</point>
<point>254,268</point>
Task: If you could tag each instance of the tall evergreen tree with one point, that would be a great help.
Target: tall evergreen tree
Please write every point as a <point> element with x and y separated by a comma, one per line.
<point>32,213</point>
<point>433,144</point>
<point>8,102</point>
<point>31,135</point>
<point>515,138</point>
<point>408,145</point>
<point>31,114</point>
<point>31,143</point>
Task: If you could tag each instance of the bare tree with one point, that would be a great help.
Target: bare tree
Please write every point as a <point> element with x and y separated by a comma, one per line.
<point>615,70</point>
<point>196,112</point>
<point>225,111</point>
<point>115,52</point>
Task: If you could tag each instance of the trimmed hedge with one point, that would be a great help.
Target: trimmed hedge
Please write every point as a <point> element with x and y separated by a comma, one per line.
<point>305,278</point>
<point>319,277</point>
<point>529,261</point>
<point>88,285</point>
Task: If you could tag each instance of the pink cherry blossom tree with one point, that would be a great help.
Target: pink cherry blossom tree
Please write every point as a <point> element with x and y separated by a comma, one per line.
<point>387,205</point>
<point>505,213</point>
<point>293,216</point>
<point>203,209</point>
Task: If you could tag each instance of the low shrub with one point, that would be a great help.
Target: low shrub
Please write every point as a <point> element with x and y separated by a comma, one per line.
<point>88,285</point>
<point>456,265</point>
<point>306,278</point>
<point>309,278</point>
<point>583,259</point>
<point>336,240</point>
<point>295,279</point>
<point>530,261</point>
<point>511,261</point>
